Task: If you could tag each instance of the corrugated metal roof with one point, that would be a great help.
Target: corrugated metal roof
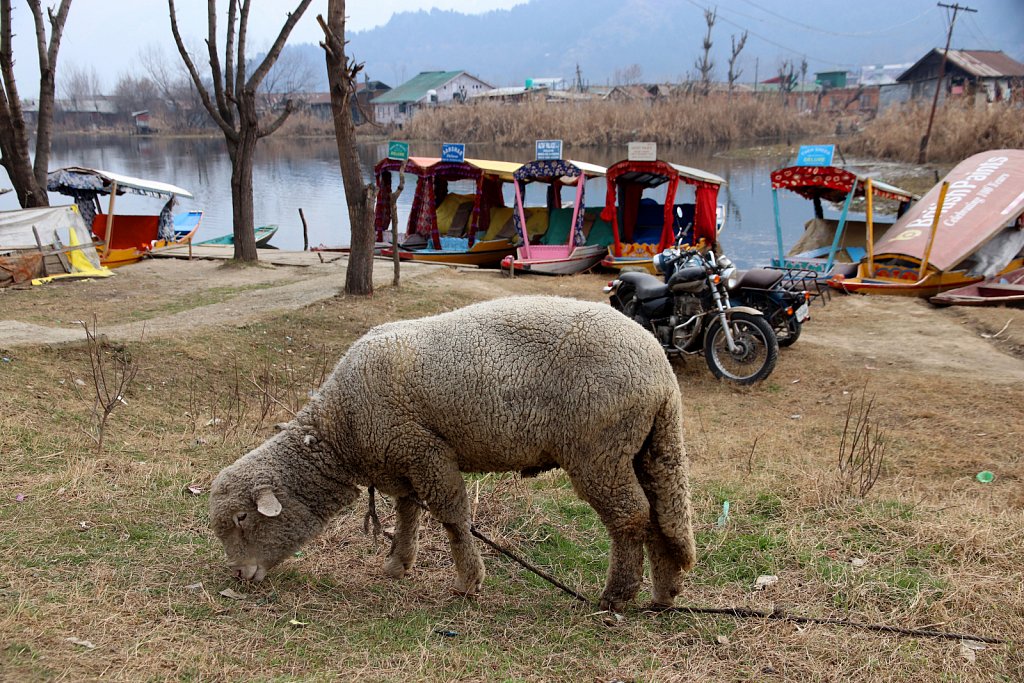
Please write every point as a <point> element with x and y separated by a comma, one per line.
<point>416,89</point>
<point>986,63</point>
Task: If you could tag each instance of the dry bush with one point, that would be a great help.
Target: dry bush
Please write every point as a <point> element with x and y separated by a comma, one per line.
<point>861,448</point>
<point>112,370</point>
<point>960,130</point>
<point>681,121</point>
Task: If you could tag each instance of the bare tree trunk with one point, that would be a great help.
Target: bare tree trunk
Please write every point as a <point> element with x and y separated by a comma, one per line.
<point>342,74</point>
<point>233,107</point>
<point>29,179</point>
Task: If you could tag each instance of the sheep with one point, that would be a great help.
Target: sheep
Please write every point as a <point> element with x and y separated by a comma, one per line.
<point>523,384</point>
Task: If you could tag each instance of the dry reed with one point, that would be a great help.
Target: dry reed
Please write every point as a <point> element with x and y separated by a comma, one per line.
<point>960,130</point>
<point>680,121</point>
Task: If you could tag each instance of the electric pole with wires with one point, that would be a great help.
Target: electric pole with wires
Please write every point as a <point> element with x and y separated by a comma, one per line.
<point>922,156</point>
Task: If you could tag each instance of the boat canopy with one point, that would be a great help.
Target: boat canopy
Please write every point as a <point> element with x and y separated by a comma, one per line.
<point>833,184</point>
<point>75,179</point>
<point>557,172</point>
<point>985,196</point>
<point>628,179</point>
<point>432,187</point>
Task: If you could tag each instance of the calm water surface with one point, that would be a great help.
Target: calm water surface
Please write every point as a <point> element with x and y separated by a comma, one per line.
<point>290,174</point>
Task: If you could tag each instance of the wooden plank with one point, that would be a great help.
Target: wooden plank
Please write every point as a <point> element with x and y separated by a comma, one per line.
<point>60,254</point>
<point>39,243</point>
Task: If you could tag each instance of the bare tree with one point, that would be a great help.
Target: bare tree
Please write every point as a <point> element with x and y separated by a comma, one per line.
<point>178,93</point>
<point>737,47</point>
<point>234,108</point>
<point>342,75</point>
<point>787,79</point>
<point>80,82</point>
<point>135,93</point>
<point>705,65</point>
<point>28,177</point>
<point>630,75</point>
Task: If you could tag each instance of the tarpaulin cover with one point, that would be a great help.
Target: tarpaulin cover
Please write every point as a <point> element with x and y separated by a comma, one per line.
<point>985,196</point>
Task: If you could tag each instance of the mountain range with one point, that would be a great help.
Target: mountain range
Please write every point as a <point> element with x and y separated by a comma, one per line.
<point>605,38</point>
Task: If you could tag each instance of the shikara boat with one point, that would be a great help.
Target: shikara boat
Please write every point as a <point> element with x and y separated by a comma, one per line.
<point>126,238</point>
<point>1002,290</point>
<point>968,228</point>
<point>830,246</point>
<point>574,240</point>
<point>643,226</point>
<point>263,235</point>
<point>470,228</point>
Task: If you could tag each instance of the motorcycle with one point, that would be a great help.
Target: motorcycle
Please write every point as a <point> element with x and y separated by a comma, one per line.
<point>783,300</point>
<point>690,312</point>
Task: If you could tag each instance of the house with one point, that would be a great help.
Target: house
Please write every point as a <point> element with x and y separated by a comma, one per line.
<point>510,94</point>
<point>426,89</point>
<point>91,112</point>
<point>985,75</point>
<point>362,110</point>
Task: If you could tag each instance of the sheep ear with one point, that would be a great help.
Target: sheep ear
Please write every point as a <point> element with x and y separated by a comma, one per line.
<point>266,502</point>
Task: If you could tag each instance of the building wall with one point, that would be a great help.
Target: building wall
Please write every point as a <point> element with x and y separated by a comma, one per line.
<point>398,113</point>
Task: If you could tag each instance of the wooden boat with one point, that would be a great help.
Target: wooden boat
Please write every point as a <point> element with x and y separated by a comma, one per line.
<point>126,238</point>
<point>831,246</point>
<point>473,228</point>
<point>570,244</point>
<point>968,228</point>
<point>643,227</point>
<point>1002,290</point>
<point>263,235</point>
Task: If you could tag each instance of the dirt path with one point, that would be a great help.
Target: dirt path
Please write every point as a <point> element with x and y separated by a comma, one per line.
<point>167,297</point>
<point>171,297</point>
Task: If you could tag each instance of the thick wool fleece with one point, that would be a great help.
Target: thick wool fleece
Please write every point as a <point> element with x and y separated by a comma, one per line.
<point>519,384</point>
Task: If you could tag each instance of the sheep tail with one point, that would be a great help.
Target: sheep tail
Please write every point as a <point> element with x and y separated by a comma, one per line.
<point>663,471</point>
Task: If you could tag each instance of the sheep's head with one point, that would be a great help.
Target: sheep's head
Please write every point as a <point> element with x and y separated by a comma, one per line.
<point>253,513</point>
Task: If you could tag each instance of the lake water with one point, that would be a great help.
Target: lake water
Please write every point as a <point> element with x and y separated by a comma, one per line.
<point>290,174</point>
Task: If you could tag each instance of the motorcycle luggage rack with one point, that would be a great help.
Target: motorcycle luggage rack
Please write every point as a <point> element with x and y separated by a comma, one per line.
<point>806,280</point>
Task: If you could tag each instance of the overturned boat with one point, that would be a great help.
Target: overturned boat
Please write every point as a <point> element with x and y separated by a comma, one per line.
<point>967,229</point>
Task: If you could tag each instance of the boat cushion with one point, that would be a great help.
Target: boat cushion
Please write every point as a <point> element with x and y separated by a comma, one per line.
<point>448,211</point>
<point>559,222</point>
<point>501,225</point>
<point>597,229</point>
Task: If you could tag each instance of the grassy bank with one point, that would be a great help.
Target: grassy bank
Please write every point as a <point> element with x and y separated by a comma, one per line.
<point>960,130</point>
<point>115,550</point>
<point>682,121</point>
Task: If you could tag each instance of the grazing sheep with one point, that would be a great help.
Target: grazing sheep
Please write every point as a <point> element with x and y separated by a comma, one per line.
<point>521,384</point>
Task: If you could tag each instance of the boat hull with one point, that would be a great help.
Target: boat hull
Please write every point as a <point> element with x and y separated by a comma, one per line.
<point>629,263</point>
<point>560,261</point>
<point>1003,290</point>
<point>893,281</point>
<point>481,254</point>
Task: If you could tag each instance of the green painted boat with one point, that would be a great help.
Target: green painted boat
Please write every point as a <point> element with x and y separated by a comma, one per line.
<point>263,235</point>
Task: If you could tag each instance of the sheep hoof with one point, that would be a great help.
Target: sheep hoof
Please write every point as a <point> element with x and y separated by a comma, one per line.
<point>395,569</point>
<point>616,606</point>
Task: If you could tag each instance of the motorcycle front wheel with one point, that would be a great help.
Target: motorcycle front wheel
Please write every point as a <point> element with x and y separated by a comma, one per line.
<point>756,352</point>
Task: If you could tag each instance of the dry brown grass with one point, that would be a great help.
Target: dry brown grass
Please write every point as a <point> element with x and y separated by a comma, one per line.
<point>678,121</point>
<point>941,550</point>
<point>960,130</point>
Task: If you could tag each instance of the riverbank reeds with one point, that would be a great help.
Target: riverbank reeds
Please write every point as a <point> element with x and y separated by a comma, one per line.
<point>677,121</point>
<point>960,130</point>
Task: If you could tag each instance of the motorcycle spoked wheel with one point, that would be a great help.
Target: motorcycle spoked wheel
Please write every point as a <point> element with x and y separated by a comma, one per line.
<point>756,354</point>
<point>789,332</point>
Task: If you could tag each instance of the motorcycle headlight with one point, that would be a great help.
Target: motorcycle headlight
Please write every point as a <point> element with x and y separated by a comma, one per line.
<point>659,262</point>
<point>730,277</point>
<point>724,262</point>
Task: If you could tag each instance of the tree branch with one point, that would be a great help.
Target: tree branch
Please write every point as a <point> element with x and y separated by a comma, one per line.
<point>229,53</point>
<point>211,47</point>
<point>275,50</point>
<point>289,107</point>
<point>240,66</point>
<point>204,95</point>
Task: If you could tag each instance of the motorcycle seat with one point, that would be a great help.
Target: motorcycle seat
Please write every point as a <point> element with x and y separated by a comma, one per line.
<point>646,285</point>
<point>760,278</point>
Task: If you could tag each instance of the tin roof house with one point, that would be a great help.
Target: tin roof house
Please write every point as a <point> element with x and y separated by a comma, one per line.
<point>426,89</point>
<point>985,75</point>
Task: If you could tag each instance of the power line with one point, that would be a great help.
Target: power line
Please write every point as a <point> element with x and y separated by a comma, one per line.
<point>829,32</point>
<point>802,53</point>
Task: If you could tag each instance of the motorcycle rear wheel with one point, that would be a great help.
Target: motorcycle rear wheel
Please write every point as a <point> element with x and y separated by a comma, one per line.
<point>789,332</point>
<point>756,354</point>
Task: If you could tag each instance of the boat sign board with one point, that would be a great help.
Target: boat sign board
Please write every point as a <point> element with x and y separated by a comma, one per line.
<point>642,151</point>
<point>453,151</point>
<point>815,155</point>
<point>549,150</point>
<point>399,151</point>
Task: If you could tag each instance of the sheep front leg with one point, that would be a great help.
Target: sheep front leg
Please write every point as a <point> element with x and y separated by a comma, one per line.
<point>439,483</point>
<point>403,547</point>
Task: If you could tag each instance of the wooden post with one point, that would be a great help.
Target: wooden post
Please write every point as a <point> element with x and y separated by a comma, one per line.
<point>42,256</point>
<point>110,219</point>
<point>935,227</point>
<point>305,231</point>
<point>869,191</point>
<point>394,219</point>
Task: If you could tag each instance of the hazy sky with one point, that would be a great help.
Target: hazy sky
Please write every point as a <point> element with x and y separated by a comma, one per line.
<point>108,34</point>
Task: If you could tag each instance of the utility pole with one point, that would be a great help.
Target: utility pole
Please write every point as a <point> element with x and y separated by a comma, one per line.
<point>922,156</point>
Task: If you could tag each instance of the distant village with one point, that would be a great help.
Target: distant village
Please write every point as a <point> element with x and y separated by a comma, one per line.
<point>986,76</point>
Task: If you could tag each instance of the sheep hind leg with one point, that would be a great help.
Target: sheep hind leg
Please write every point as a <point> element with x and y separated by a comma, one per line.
<point>666,569</point>
<point>622,506</point>
<point>404,545</point>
